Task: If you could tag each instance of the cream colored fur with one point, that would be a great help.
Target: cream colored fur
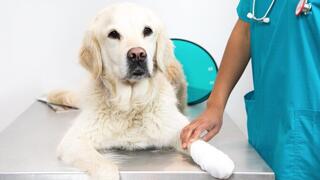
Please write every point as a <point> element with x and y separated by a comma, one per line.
<point>123,114</point>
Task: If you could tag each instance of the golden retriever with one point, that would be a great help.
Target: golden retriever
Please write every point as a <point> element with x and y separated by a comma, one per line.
<point>136,96</point>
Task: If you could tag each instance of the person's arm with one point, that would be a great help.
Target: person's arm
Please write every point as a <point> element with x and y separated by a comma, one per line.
<point>234,61</point>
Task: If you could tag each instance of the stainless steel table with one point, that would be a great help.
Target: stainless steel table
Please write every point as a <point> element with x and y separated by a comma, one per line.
<point>27,152</point>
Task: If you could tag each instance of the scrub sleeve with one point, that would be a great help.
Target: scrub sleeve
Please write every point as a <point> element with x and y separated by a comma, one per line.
<point>283,111</point>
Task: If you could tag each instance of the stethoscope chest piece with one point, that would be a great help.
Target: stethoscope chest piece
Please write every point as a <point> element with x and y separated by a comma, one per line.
<point>303,7</point>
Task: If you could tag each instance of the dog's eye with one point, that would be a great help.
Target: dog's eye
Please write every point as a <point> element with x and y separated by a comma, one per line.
<point>147,31</point>
<point>114,35</point>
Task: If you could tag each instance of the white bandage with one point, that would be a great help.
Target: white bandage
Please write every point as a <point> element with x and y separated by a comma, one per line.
<point>212,160</point>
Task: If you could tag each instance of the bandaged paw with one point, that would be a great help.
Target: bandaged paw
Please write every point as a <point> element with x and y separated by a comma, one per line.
<point>212,160</point>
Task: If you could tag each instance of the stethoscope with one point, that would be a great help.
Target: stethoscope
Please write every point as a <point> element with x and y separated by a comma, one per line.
<point>303,7</point>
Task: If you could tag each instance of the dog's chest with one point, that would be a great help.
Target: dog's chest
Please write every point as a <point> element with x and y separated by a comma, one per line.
<point>138,128</point>
<point>137,121</point>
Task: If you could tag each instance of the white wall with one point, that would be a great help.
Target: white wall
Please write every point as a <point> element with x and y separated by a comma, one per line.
<point>40,41</point>
<point>19,79</point>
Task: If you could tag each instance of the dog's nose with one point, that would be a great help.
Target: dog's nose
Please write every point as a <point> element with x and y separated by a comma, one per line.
<point>137,54</point>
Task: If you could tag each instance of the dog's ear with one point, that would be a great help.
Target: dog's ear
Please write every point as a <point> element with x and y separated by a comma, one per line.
<point>164,52</point>
<point>90,55</point>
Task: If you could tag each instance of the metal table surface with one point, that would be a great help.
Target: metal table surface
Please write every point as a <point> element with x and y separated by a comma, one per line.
<point>27,151</point>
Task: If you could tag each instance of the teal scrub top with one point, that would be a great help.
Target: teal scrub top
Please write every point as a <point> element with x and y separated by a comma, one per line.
<point>283,111</point>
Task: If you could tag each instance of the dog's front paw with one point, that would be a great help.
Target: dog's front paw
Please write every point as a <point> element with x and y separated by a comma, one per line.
<point>212,160</point>
<point>106,172</point>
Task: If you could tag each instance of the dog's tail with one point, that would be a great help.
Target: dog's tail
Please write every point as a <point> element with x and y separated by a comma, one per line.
<point>63,97</point>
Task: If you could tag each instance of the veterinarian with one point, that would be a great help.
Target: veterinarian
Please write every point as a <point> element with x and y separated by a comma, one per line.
<point>283,40</point>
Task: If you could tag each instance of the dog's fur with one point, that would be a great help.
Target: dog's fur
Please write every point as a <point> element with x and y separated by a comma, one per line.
<point>122,112</point>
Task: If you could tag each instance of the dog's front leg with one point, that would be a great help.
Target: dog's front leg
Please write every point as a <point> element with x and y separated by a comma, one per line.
<point>79,152</point>
<point>209,158</point>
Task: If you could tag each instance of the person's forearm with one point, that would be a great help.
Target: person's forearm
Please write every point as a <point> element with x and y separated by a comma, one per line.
<point>234,61</point>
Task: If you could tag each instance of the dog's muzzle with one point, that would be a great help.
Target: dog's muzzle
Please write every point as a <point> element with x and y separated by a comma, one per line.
<point>137,63</point>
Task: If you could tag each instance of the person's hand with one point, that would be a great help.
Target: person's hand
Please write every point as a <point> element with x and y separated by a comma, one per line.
<point>210,120</point>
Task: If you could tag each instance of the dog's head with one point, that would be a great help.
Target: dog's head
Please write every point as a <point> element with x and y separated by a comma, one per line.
<point>127,42</point>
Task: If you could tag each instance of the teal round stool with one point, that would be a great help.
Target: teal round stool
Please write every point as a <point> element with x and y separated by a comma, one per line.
<point>199,68</point>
